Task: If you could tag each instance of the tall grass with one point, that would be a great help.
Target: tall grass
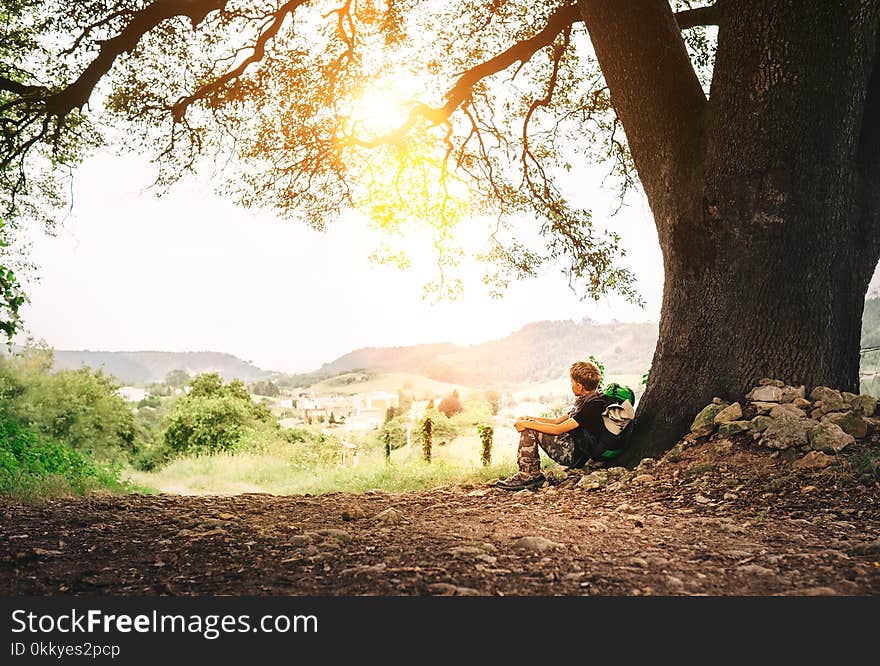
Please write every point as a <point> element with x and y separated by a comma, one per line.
<point>275,471</point>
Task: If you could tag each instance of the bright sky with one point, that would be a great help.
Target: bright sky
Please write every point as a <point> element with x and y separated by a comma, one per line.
<point>192,271</point>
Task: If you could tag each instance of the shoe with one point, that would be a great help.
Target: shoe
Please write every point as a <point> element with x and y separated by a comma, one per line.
<point>520,481</point>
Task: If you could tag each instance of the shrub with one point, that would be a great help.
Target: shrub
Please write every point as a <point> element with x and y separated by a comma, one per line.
<point>214,417</point>
<point>451,405</point>
<point>32,464</point>
<point>79,408</point>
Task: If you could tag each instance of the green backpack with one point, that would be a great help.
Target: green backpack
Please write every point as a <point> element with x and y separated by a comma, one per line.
<point>622,392</point>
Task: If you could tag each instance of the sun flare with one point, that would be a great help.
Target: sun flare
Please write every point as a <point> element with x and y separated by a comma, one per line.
<point>381,108</point>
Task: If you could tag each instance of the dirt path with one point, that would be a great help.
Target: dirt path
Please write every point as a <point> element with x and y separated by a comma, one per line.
<point>668,535</point>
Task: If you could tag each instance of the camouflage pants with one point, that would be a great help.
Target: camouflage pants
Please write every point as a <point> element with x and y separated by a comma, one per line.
<point>560,448</point>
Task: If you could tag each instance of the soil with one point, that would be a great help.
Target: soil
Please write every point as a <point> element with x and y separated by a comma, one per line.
<point>721,518</point>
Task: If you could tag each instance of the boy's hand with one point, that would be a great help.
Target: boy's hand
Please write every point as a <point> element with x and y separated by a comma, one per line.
<point>521,424</point>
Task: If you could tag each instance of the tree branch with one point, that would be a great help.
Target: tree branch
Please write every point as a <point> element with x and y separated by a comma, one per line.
<point>693,18</point>
<point>76,94</point>
<point>521,52</point>
<point>259,49</point>
<point>18,88</point>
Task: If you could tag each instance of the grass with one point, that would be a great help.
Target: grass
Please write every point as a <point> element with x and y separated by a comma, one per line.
<point>276,473</point>
<point>28,488</point>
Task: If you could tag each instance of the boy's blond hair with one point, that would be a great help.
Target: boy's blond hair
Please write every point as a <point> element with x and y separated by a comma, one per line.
<point>586,374</point>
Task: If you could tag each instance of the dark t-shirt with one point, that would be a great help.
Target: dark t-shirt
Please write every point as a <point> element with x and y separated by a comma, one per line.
<point>587,411</point>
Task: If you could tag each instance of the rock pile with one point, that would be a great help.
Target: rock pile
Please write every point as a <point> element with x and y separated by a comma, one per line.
<point>786,419</point>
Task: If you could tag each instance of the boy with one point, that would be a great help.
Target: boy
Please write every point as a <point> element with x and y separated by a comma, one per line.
<point>569,439</point>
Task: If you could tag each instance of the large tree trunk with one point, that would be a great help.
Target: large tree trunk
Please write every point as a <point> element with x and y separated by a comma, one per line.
<point>765,209</point>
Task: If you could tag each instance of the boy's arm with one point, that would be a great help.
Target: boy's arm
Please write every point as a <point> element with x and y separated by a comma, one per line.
<point>538,419</point>
<point>567,425</point>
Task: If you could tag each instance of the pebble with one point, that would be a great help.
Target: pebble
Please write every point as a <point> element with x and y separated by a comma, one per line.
<point>333,533</point>
<point>535,544</point>
<point>389,516</point>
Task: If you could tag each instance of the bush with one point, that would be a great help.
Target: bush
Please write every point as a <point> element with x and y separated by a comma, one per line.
<point>266,388</point>
<point>451,405</point>
<point>32,464</point>
<point>78,408</point>
<point>214,417</point>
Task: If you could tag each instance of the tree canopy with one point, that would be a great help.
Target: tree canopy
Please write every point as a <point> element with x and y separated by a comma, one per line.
<point>411,112</point>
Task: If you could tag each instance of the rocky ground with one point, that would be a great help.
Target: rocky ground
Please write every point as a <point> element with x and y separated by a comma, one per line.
<point>724,513</point>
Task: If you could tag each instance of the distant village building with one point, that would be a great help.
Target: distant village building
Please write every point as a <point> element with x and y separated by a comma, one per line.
<point>379,401</point>
<point>132,393</point>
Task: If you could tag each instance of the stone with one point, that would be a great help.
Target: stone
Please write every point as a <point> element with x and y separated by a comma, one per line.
<point>832,401</point>
<point>761,423</point>
<point>754,570</point>
<point>849,397</point>
<point>354,512</point>
<point>701,499</point>
<point>817,412</point>
<point>730,413</point>
<point>674,582</point>
<point>766,381</point>
<point>850,422</point>
<point>340,535</point>
<point>560,473</point>
<point>865,405</point>
<point>802,403</point>
<point>717,401</point>
<point>642,478</point>
<point>535,544</point>
<point>785,433</point>
<point>704,422</point>
<point>450,590</point>
<point>792,393</point>
<point>734,427</point>
<point>829,437</point>
<point>593,480</point>
<point>763,407</point>
<point>787,409</point>
<point>389,516</point>
<point>616,472</point>
<point>765,394</point>
<point>465,551</point>
<point>813,460</point>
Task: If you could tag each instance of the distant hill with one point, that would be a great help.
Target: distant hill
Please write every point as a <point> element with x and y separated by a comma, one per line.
<point>538,352</point>
<point>143,367</point>
<point>535,353</point>
<point>387,359</point>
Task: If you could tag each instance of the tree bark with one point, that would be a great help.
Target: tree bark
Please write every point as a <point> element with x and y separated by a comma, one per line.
<point>764,212</point>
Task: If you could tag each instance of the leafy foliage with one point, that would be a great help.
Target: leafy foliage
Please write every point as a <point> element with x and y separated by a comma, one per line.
<point>177,378</point>
<point>417,114</point>
<point>214,417</point>
<point>267,388</point>
<point>34,465</point>
<point>450,405</point>
<point>77,408</point>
